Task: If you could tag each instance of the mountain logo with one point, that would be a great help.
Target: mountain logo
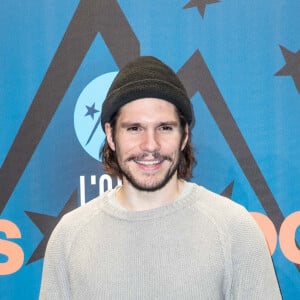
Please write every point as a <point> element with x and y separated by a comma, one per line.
<point>87,114</point>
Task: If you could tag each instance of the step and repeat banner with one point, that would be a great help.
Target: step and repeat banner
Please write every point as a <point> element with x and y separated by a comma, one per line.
<point>240,62</point>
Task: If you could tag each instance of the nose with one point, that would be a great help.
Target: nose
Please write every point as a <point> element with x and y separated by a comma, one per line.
<point>150,142</point>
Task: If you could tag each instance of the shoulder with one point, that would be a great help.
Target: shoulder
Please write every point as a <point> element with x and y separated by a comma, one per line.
<point>86,211</point>
<point>236,227</point>
<point>225,213</point>
<point>74,221</point>
<point>214,202</point>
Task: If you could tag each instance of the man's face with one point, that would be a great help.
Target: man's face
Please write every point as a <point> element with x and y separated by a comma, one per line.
<point>147,140</point>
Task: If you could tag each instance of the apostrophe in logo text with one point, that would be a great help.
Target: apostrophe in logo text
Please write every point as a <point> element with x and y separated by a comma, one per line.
<point>93,185</point>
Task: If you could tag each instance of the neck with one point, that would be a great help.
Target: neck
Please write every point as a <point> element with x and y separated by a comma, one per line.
<point>136,200</point>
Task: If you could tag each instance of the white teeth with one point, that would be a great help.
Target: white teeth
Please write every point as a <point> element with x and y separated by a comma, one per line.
<point>149,163</point>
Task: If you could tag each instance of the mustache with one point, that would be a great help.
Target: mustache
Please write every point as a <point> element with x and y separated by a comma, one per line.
<point>154,155</point>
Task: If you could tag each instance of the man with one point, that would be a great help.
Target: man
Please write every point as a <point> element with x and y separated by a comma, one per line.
<point>157,236</point>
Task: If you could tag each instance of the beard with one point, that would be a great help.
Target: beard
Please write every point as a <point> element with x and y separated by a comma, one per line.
<point>151,184</point>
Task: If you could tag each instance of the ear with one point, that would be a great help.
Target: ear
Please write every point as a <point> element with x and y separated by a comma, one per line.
<point>186,136</point>
<point>109,136</point>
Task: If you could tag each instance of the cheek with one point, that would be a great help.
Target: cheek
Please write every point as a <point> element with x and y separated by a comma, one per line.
<point>172,148</point>
<point>125,147</point>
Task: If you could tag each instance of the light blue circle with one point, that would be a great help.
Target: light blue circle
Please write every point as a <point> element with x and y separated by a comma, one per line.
<point>87,114</point>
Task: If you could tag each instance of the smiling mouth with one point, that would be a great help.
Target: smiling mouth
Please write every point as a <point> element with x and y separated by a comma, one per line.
<point>148,162</point>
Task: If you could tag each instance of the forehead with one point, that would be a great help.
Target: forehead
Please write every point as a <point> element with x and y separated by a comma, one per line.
<point>147,110</point>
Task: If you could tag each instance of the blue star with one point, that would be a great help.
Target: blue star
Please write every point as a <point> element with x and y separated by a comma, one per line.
<point>91,111</point>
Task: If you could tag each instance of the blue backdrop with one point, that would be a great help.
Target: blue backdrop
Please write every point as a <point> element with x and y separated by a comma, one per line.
<point>240,61</point>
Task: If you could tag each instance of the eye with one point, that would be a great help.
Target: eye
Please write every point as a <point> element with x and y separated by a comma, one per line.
<point>133,128</point>
<point>166,128</point>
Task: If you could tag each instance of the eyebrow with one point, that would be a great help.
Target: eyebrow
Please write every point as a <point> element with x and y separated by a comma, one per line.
<point>129,124</point>
<point>170,123</point>
<point>138,124</point>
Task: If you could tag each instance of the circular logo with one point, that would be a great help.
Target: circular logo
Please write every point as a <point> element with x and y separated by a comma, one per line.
<point>87,113</point>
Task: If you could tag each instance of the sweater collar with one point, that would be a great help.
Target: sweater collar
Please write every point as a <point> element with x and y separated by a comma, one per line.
<point>111,207</point>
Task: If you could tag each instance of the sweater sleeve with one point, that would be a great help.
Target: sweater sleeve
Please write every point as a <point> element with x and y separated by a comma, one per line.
<point>253,274</point>
<point>55,281</point>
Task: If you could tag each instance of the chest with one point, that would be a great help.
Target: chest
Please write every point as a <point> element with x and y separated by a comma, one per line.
<point>149,261</point>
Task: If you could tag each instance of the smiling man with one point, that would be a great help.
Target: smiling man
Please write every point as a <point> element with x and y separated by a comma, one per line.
<point>147,142</point>
<point>157,236</point>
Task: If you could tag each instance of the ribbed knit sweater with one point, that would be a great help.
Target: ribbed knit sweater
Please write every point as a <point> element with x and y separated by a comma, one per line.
<point>201,246</point>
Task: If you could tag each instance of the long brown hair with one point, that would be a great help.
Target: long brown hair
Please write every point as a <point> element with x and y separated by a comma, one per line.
<point>186,160</point>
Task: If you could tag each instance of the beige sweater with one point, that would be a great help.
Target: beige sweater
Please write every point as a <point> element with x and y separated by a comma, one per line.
<point>202,246</point>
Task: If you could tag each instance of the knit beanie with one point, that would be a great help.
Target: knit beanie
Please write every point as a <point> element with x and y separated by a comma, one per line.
<point>146,77</point>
